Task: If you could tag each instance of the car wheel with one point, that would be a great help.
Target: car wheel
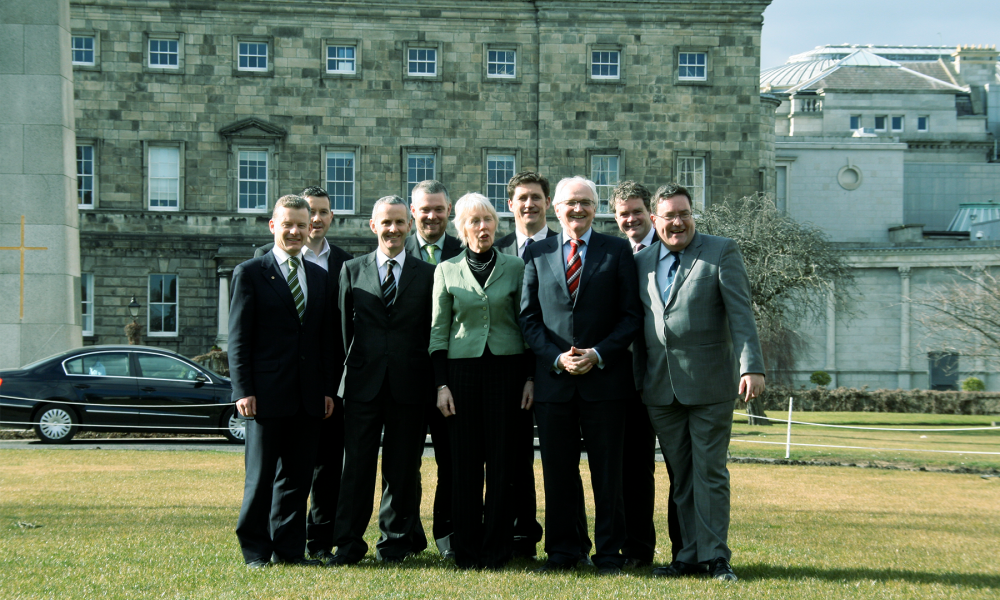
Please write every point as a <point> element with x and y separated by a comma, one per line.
<point>55,424</point>
<point>233,427</point>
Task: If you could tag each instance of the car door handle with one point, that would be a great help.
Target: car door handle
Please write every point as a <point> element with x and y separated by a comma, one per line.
<point>81,386</point>
<point>148,389</point>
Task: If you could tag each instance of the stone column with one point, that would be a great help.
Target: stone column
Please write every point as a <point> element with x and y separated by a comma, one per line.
<point>222,338</point>
<point>831,337</point>
<point>39,232</point>
<point>904,329</point>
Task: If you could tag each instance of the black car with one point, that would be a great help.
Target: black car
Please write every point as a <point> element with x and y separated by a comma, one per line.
<point>118,388</point>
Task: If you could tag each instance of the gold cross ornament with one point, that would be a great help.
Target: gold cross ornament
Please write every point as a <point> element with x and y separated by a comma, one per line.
<point>22,248</point>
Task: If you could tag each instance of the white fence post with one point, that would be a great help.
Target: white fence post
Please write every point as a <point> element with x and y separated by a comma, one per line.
<point>788,436</point>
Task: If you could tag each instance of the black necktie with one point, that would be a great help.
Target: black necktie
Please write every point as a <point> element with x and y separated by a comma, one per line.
<point>389,284</point>
<point>638,247</point>
<point>670,276</point>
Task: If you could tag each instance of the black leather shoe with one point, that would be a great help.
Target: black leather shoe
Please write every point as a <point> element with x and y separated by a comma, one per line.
<point>300,561</point>
<point>636,563</point>
<point>609,571</point>
<point>720,569</point>
<point>260,563</point>
<point>554,567</point>
<point>339,560</point>
<point>585,562</point>
<point>679,569</point>
<point>323,556</point>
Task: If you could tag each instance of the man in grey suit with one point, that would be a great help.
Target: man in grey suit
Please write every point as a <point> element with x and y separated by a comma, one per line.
<point>430,206</point>
<point>698,348</point>
<point>385,306</point>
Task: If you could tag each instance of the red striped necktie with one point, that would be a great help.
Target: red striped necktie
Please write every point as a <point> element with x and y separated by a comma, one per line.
<point>573,267</point>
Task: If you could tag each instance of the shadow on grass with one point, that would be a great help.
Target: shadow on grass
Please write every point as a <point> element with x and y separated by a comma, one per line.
<point>760,571</point>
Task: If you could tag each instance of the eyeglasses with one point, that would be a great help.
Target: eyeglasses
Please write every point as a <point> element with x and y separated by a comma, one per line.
<point>683,216</point>
<point>574,204</point>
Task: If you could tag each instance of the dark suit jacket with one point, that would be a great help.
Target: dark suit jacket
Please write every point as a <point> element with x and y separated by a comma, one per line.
<point>508,243</point>
<point>606,316</point>
<point>335,346</point>
<point>449,249</point>
<point>389,343</point>
<point>272,356</point>
<point>696,347</point>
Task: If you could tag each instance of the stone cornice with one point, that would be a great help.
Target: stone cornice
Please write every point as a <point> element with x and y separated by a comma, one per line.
<point>916,257</point>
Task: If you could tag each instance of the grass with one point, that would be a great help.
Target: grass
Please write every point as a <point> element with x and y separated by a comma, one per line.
<point>929,445</point>
<point>128,524</point>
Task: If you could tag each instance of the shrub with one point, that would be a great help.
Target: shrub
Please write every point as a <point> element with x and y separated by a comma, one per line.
<point>973,384</point>
<point>897,401</point>
<point>820,378</point>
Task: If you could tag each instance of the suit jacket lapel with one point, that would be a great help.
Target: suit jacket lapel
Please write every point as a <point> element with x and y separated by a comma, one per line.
<point>468,279</point>
<point>594,256</point>
<point>688,258</point>
<point>273,275</point>
<point>647,269</point>
<point>369,275</point>
<point>405,276</point>
<point>555,260</point>
<point>495,275</point>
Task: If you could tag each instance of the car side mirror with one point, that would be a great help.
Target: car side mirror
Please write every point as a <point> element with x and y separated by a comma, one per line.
<point>201,379</point>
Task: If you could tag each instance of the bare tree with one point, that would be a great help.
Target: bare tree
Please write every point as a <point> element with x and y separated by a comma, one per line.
<point>792,270</point>
<point>963,315</point>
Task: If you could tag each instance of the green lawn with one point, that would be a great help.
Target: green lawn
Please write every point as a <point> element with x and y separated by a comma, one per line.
<point>126,524</point>
<point>933,449</point>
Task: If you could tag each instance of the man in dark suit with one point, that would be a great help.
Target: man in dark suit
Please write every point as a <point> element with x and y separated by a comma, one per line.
<point>385,305</point>
<point>697,350</point>
<point>630,204</point>
<point>330,449</point>
<point>579,313</point>
<point>528,200</point>
<point>282,380</point>
<point>430,206</point>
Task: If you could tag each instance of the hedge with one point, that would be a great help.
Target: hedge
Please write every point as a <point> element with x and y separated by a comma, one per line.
<point>898,401</point>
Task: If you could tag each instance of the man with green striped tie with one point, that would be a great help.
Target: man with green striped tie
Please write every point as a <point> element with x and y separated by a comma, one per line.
<point>278,366</point>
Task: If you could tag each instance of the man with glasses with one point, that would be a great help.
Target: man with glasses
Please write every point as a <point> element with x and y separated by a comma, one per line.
<point>579,313</point>
<point>330,451</point>
<point>698,349</point>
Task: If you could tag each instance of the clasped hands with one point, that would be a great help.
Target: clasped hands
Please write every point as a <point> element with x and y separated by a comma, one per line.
<point>577,361</point>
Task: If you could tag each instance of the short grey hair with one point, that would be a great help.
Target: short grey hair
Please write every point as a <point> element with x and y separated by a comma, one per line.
<point>389,201</point>
<point>466,206</point>
<point>563,183</point>
<point>290,201</point>
<point>431,186</point>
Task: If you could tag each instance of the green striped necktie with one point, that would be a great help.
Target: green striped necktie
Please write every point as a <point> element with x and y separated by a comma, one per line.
<point>293,284</point>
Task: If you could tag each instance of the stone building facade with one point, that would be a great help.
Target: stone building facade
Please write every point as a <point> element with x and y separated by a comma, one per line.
<point>191,121</point>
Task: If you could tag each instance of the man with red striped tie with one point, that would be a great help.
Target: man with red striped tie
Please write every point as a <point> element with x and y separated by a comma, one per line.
<point>580,312</point>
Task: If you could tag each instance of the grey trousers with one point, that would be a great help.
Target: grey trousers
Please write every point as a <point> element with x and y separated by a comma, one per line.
<point>695,441</point>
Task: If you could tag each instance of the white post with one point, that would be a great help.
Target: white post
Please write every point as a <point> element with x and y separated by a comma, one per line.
<point>222,335</point>
<point>904,381</point>
<point>831,336</point>
<point>788,436</point>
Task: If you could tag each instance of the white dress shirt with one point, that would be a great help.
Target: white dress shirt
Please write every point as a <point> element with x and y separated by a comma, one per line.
<point>322,259</point>
<point>282,257</point>
<point>521,239</point>
<point>381,258</point>
<point>438,247</point>
<point>646,241</point>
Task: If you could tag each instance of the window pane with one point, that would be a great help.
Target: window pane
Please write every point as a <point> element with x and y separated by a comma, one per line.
<point>163,53</point>
<point>419,167</point>
<point>604,64</point>
<point>340,59</point>
<point>604,173</point>
<point>501,63</point>
<point>692,65</point>
<point>253,180</point>
<point>82,50</point>
<point>163,304</point>
<point>340,180</point>
<point>691,174</point>
<point>155,366</point>
<point>87,302</point>
<point>85,175</point>
<point>422,61</point>
<point>253,56</point>
<point>164,177</point>
<point>499,170</point>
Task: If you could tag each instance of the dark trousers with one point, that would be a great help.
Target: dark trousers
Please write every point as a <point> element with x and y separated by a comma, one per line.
<point>486,407</point>
<point>279,461</point>
<point>402,448</point>
<point>638,484</point>
<point>524,504</point>
<point>326,483</point>
<point>559,427</point>
<point>694,440</point>
<point>442,525</point>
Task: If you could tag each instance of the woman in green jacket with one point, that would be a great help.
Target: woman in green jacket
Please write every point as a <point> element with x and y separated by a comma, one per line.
<point>479,367</point>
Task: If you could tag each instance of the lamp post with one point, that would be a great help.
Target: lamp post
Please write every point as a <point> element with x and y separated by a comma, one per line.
<point>133,330</point>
